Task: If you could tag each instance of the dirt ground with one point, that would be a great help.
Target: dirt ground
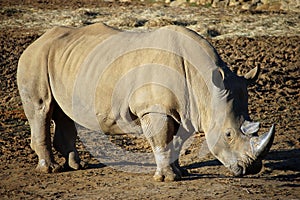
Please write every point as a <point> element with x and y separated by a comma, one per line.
<point>243,39</point>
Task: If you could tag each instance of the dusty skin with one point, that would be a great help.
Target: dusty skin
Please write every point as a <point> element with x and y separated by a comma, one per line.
<point>275,99</point>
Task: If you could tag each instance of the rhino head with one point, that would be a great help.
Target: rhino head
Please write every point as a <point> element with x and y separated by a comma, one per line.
<point>232,136</point>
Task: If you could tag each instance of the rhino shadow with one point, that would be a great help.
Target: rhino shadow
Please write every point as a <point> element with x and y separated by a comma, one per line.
<point>126,163</point>
<point>208,163</point>
<point>95,166</point>
<point>197,165</point>
<point>275,160</point>
<point>284,160</point>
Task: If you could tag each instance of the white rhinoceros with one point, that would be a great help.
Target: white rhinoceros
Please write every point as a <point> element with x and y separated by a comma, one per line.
<point>161,83</point>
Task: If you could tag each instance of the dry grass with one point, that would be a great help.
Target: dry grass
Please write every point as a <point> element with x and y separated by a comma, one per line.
<point>219,23</point>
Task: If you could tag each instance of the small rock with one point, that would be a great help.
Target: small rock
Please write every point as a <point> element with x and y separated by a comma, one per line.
<point>203,2</point>
<point>178,3</point>
<point>264,1</point>
<point>233,3</point>
<point>215,3</point>
<point>246,6</point>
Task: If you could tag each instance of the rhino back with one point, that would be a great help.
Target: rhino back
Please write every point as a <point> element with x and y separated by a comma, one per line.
<point>98,74</point>
<point>133,73</point>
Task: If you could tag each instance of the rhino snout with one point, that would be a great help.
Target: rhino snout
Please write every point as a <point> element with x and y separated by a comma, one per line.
<point>260,145</point>
<point>240,169</point>
<point>237,170</point>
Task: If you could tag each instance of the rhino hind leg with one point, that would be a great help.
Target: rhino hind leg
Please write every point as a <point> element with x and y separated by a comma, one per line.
<point>159,130</point>
<point>38,112</point>
<point>64,140</point>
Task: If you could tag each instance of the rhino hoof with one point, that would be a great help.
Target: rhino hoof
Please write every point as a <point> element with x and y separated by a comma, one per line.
<point>77,165</point>
<point>169,178</point>
<point>158,178</point>
<point>48,168</point>
<point>74,165</point>
<point>166,175</point>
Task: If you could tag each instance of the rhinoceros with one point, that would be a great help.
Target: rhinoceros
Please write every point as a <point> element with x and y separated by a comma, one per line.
<point>166,83</point>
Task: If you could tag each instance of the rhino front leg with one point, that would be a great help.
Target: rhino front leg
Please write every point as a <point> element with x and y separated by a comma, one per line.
<point>65,139</point>
<point>159,130</point>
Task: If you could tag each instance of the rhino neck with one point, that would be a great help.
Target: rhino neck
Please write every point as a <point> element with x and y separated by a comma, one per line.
<point>210,107</point>
<point>201,61</point>
<point>201,100</point>
<point>217,109</point>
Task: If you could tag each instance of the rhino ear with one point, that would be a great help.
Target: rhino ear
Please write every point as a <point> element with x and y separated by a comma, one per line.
<point>218,77</point>
<point>252,75</point>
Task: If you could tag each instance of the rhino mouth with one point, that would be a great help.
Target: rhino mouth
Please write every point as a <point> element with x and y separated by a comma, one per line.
<point>242,168</point>
<point>237,170</point>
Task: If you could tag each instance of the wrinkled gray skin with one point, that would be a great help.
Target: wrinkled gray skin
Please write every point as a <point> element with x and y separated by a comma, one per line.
<point>49,68</point>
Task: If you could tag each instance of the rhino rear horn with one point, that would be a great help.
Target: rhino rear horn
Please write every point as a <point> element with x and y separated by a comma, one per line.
<point>262,144</point>
<point>250,128</point>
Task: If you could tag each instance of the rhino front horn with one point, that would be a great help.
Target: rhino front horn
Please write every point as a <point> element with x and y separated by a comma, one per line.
<point>262,144</point>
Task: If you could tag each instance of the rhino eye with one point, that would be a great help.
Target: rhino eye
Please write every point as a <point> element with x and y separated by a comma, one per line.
<point>229,136</point>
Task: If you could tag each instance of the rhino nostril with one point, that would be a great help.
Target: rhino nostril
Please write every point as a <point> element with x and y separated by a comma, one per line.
<point>237,170</point>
